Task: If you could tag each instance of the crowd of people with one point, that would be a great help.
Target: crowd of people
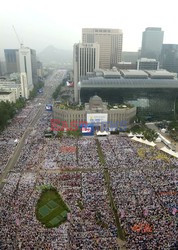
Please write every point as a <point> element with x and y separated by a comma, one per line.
<point>145,192</point>
<point>10,137</point>
<point>143,186</point>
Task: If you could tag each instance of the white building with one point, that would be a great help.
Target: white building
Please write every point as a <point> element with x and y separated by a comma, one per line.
<point>28,65</point>
<point>25,88</point>
<point>85,60</point>
<point>10,86</point>
<point>7,96</point>
<point>110,41</point>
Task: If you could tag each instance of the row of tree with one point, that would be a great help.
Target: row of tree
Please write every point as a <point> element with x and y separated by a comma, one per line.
<point>8,110</point>
<point>56,92</point>
<point>34,92</point>
<point>148,133</point>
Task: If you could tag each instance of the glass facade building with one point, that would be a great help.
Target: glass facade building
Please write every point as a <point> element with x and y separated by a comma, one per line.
<point>169,57</point>
<point>155,99</point>
<point>12,60</point>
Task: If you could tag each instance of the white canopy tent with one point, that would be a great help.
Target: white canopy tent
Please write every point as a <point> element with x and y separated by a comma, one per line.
<point>152,144</point>
<point>99,133</point>
<point>137,135</point>
<point>170,152</point>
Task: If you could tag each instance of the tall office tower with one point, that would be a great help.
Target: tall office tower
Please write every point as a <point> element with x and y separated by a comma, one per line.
<point>110,41</point>
<point>152,40</point>
<point>0,68</point>
<point>28,65</point>
<point>12,60</point>
<point>169,57</point>
<point>25,88</point>
<point>85,60</point>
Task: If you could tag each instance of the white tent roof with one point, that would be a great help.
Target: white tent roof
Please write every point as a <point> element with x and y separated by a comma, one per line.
<point>164,139</point>
<point>152,144</point>
<point>158,139</point>
<point>130,135</point>
<point>169,151</point>
<point>135,138</point>
<point>137,135</point>
<point>102,133</point>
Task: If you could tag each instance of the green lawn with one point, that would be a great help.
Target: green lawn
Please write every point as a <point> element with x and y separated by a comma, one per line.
<point>51,210</point>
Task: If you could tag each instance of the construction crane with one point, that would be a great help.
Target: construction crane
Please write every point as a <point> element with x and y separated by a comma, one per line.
<point>21,44</point>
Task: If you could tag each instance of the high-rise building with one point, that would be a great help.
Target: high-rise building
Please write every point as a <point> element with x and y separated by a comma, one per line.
<point>0,68</point>
<point>85,60</point>
<point>152,40</point>
<point>25,87</point>
<point>12,60</point>
<point>110,41</point>
<point>169,57</point>
<point>28,64</point>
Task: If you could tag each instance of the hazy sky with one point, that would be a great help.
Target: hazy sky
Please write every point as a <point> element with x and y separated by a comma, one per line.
<point>40,23</point>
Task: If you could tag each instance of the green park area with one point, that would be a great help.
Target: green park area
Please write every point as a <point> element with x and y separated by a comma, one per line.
<point>51,210</point>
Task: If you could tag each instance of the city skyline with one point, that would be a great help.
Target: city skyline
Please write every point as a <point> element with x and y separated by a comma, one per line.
<point>42,23</point>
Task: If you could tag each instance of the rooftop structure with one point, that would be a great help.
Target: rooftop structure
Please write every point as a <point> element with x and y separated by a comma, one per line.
<point>101,82</point>
<point>10,86</point>
<point>161,74</point>
<point>7,96</point>
<point>114,73</point>
<point>4,93</point>
<point>131,73</point>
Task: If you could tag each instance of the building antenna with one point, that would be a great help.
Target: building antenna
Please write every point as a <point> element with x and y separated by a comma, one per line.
<point>21,44</point>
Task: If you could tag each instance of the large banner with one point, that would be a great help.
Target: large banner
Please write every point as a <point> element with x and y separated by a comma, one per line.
<point>86,130</point>
<point>97,118</point>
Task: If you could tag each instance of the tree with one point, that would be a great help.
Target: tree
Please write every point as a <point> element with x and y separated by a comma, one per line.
<point>56,92</point>
<point>8,110</point>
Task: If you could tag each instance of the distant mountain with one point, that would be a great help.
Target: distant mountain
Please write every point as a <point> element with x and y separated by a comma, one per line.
<point>52,54</point>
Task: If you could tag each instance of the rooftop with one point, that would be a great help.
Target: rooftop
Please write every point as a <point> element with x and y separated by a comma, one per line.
<point>109,73</point>
<point>4,93</point>
<point>101,82</point>
<point>65,106</point>
<point>132,73</point>
<point>161,74</point>
<point>147,60</point>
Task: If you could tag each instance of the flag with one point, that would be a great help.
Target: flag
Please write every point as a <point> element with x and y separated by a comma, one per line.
<point>145,212</point>
<point>17,222</point>
<point>122,213</point>
<point>174,210</point>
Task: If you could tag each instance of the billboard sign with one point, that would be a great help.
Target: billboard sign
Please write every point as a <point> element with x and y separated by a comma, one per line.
<point>97,118</point>
<point>86,129</point>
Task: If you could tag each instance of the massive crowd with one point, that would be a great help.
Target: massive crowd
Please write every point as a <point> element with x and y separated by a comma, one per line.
<point>143,186</point>
<point>13,133</point>
<point>145,193</point>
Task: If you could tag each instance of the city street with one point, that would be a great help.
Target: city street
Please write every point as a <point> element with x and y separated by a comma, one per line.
<point>50,84</point>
